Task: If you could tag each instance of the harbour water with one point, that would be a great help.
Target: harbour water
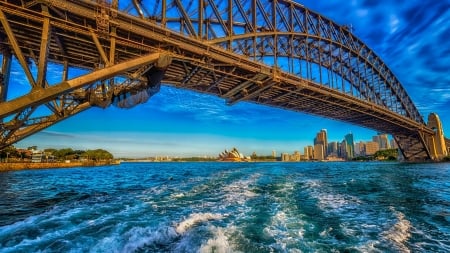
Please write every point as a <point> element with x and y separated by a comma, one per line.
<point>228,207</point>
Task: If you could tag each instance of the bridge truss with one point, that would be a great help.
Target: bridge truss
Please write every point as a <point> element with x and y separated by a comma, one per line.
<point>276,53</point>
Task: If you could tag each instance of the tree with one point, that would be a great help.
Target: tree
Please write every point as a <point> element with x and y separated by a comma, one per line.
<point>98,154</point>
<point>8,152</point>
<point>63,153</point>
<point>50,150</point>
<point>387,154</point>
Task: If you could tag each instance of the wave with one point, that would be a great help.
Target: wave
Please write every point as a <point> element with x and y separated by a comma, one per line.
<point>400,232</point>
<point>329,201</point>
<point>195,218</point>
<point>239,191</point>
<point>219,243</point>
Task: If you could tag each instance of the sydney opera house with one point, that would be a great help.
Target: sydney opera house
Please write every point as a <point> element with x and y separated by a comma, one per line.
<point>231,156</point>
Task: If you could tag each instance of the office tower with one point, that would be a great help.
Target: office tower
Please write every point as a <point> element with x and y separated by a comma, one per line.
<point>350,148</point>
<point>296,156</point>
<point>393,144</point>
<point>359,149</point>
<point>321,138</point>
<point>371,148</point>
<point>310,153</point>
<point>343,149</point>
<point>285,157</point>
<point>383,141</point>
<point>332,149</point>
<point>319,152</point>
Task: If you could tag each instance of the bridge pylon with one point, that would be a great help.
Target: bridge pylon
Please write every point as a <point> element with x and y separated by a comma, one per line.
<point>437,143</point>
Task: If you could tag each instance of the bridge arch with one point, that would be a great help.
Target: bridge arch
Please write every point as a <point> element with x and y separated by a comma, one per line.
<point>285,34</point>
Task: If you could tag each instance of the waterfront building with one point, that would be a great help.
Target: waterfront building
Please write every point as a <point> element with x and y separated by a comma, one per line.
<point>310,152</point>
<point>359,149</point>
<point>371,148</point>
<point>296,157</point>
<point>231,156</point>
<point>319,153</point>
<point>350,147</point>
<point>393,144</point>
<point>305,153</point>
<point>333,149</point>
<point>274,153</point>
<point>382,140</point>
<point>321,138</point>
<point>285,157</point>
<point>41,156</point>
<point>343,149</point>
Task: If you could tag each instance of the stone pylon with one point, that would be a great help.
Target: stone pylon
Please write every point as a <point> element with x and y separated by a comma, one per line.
<point>437,143</point>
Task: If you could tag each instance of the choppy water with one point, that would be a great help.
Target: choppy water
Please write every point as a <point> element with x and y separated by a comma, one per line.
<point>228,207</point>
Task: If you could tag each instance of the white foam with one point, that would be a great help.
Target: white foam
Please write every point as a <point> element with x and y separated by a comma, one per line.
<point>329,201</point>
<point>400,232</point>
<point>177,195</point>
<point>285,228</point>
<point>239,191</point>
<point>219,243</point>
<point>195,218</point>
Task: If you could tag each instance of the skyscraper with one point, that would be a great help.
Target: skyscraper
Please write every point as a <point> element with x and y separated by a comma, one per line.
<point>333,149</point>
<point>319,153</point>
<point>310,153</point>
<point>321,138</point>
<point>371,147</point>
<point>350,147</point>
<point>382,140</point>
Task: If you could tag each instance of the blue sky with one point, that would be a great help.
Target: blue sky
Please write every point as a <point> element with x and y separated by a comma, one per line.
<point>412,37</point>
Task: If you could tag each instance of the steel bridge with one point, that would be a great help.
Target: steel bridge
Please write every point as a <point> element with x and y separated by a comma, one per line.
<point>271,52</point>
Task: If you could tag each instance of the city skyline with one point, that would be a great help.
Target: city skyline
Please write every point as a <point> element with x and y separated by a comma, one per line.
<point>187,123</point>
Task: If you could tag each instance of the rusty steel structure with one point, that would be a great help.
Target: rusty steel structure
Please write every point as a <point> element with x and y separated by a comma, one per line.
<point>271,52</point>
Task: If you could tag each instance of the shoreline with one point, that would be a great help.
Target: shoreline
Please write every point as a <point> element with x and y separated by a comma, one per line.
<point>4,167</point>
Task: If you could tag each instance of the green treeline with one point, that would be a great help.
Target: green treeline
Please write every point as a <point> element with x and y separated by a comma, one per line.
<point>69,154</point>
<point>381,155</point>
<point>11,152</point>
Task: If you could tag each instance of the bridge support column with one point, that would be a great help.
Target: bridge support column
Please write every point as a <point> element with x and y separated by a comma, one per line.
<point>436,142</point>
<point>413,146</point>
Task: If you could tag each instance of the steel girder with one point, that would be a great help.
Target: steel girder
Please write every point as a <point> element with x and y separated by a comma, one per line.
<point>285,34</point>
<point>214,49</point>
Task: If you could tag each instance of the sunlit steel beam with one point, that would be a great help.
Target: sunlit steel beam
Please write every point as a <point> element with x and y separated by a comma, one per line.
<point>41,96</point>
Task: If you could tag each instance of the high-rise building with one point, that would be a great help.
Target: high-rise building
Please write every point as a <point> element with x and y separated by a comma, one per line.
<point>319,152</point>
<point>371,147</point>
<point>382,140</point>
<point>350,148</point>
<point>393,144</point>
<point>343,149</point>
<point>274,153</point>
<point>359,149</point>
<point>296,156</point>
<point>333,149</point>
<point>310,152</point>
<point>321,138</point>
